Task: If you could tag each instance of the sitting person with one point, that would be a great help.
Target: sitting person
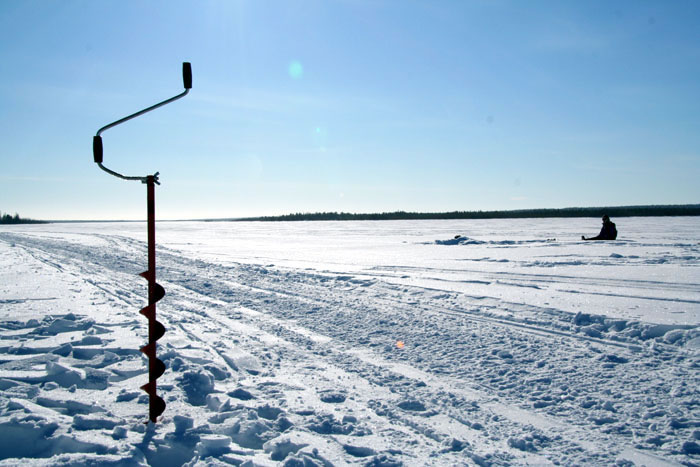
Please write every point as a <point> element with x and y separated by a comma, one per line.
<point>608,232</point>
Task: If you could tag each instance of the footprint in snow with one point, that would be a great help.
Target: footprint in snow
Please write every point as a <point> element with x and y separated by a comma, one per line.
<point>412,406</point>
<point>333,397</point>
<point>359,451</point>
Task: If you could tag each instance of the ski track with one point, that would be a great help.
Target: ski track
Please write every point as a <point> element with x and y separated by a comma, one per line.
<point>479,380</point>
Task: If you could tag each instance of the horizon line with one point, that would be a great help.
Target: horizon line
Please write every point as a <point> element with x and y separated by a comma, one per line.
<point>418,215</point>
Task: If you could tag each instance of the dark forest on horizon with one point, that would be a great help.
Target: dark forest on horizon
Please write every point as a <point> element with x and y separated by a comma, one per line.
<point>16,219</point>
<point>613,211</point>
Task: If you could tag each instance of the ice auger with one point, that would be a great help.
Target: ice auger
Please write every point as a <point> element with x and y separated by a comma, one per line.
<point>156,329</point>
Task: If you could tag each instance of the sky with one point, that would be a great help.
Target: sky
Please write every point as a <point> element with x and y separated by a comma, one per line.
<point>348,105</point>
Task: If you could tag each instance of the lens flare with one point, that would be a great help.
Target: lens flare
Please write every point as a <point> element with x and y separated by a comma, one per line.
<point>296,70</point>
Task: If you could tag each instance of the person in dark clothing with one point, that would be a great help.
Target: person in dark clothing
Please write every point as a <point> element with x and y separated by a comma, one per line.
<point>608,232</point>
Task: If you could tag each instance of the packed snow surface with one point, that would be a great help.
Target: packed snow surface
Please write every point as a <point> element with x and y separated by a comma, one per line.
<point>354,343</point>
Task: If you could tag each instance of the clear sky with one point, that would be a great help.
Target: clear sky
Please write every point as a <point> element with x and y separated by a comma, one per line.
<point>348,105</point>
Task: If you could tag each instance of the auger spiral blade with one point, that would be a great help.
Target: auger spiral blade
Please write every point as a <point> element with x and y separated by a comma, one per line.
<point>156,405</point>
<point>156,330</point>
<point>160,291</point>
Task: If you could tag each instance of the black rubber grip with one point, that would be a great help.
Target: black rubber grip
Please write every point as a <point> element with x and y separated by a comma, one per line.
<point>187,75</point>
<point>97,149</point>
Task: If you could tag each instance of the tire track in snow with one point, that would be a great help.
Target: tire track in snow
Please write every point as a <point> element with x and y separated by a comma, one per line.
<point>478,302</point>
<point>552,278</point>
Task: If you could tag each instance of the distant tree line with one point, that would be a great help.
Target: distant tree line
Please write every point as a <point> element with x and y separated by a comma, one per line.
<point>8,219</point>
<point>613,211</point>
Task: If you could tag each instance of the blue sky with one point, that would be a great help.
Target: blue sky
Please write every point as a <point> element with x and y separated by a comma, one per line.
<point>358,106</point>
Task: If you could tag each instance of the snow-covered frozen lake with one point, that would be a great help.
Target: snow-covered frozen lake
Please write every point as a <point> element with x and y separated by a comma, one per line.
<point>379,343</point>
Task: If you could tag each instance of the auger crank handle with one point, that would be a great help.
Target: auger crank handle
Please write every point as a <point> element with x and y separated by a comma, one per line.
<point>187,75</point>
<point>97,149</point>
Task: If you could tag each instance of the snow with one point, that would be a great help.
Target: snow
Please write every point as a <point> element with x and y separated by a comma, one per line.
<point>354,343</point>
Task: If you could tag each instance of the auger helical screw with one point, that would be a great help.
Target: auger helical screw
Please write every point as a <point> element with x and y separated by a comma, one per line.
<point>156,330</point>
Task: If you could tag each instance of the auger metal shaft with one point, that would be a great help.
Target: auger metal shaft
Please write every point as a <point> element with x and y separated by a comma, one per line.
<point>156,330</point>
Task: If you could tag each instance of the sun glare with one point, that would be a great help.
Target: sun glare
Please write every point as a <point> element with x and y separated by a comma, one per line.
<point>296,70</point>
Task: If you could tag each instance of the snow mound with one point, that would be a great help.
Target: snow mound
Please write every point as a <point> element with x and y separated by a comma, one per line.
<point>459,240</point>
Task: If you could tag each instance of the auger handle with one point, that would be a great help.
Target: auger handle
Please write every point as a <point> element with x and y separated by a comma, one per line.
<point>187,75</point>
<point>97,148</point>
